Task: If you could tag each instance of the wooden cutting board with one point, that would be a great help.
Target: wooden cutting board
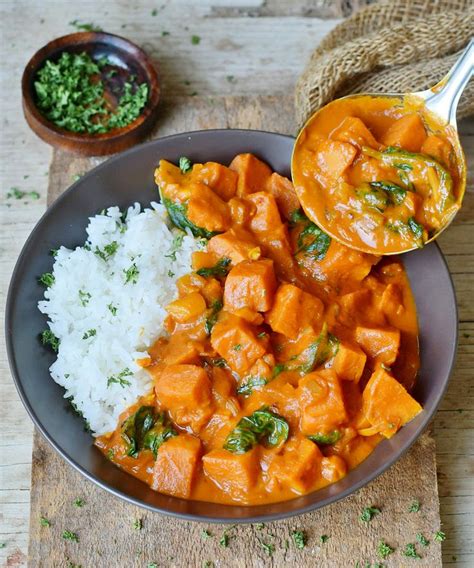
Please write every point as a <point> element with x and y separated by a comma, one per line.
<point>105,524</point>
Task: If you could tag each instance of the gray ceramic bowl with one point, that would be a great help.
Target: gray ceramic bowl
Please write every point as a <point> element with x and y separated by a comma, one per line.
<point>126,178</point>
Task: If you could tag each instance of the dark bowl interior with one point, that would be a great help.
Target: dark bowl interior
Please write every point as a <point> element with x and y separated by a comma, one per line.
<point>126,59</point>
<point>127,178</point>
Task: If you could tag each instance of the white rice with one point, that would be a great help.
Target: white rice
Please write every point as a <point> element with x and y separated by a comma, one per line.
<point>87,290</point>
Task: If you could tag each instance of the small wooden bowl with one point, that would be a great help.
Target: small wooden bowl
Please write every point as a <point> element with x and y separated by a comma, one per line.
<point>123,54</point>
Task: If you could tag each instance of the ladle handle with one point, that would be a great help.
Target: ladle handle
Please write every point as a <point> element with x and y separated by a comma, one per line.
<point>443,98</point>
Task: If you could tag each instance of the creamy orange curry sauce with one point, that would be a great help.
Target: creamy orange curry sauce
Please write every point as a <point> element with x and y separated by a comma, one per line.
<point>377,174</point>
<point>288,358</point>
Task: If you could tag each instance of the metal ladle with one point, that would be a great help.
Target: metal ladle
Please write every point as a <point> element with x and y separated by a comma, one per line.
<point>442,101</point>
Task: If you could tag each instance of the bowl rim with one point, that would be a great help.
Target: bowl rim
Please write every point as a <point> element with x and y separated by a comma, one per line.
<point>252,517</point>
<point>59,136</point>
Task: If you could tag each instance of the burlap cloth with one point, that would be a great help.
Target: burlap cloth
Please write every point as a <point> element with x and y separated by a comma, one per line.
<point>396,46</point>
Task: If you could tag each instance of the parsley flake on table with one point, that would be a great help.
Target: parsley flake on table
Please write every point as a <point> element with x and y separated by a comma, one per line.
<point>79,502</point>
<point>299,538</point>
<point>384,550</point>
<point>368,514</point>
<point>205,534</point>
<point>208,564</point>
<point>439,536</point>
<point>410,551</point>
<point>323,538</point>
<point>267,547</point>
<point>422,540</point>
<point>44,522</point>
<point>414,507</point>
<point>15,193</point>
<point>69,535</point>
<point>138,524</point>
<point>195,39</point>
<point>85,27</point>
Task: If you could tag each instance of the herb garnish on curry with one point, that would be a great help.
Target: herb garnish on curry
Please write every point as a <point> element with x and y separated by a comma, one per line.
<point>288,358</point>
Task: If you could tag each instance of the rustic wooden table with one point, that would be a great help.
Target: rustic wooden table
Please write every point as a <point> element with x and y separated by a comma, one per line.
<point>237,55</point>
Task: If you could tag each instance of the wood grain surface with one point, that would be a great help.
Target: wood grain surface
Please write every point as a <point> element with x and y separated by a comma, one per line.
<point>238,55</point>
<point>55,485</point>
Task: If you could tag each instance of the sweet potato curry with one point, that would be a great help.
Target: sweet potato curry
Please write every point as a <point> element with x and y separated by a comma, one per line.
<point>288,356</point>
<point>378,175</point>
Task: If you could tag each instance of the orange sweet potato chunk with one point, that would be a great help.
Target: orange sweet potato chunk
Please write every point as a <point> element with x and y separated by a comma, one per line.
<point>349,362</point>
<point>407,132</point>
<point>187,308</point>
<point>236,244</point>
<point>185,390</point>
<point>438,148</point>
<point>250,284</point>
<point>381,344</point>
<point>284,193</point>
<point>266,217</point>
<point>235,474</point>
<point>180,350</point>
<point>355,132</point>
<point>206,209</point>
<point>253,173</point>
<point>293,310</point>
<point>220,179</point>
<point>235,340</point>
<point>386,404</point>
<point>333,157</point>
<point>321,402</point>
<point>175,466</point>
<point>298,466</point>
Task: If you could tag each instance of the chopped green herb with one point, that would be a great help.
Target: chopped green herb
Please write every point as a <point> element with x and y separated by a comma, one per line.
<point>89,333</point>
<point>47,279</point>
<point>185,165</point>
<point>72,565</point>
<point>110,454</point>
<point>131,274</point>
<point>146,430</point>
<point>384,550</point>
<point>439,536</point>
<point>262,425</point>
<point>70,93</point>
<point>211,320</point>
<point>178,215</point>
<point>112,309</point>
<point>120,378</point>
<point>154,12</point>
<point>262,335</point>
<point>138,524</point>
<point>85,26</point>
<point>410,551</point>
<point>326,439</point>
<point>79,502</point>
<point>205,534</point>
<point>109,250</point>
<point>246,389</point>
<point>267,547</point>
<point>165,33</point>
<point>259,526</point>
<point>414,507</point>
<point>68,535</point>
<point>152,565</point>
<point>224,540</point>
<point>48,338</point>
<point>237,347</point>
<point>16,193</point>
<point>221,268</point>
<point>323,538</point>
<point>175,246</point>
<point>230,78</point>
<point>170,273</point>
<point>76,177</point>
<point>299,538</point>
<point>369,513</point>
<point>312,241</point>
<point>44,522</point>
<point>422,540</point>
<point>195,39</point>
<point>208,564</point>
<point>84,298</point>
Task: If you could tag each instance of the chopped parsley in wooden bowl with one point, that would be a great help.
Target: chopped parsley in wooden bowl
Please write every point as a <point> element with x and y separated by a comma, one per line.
<point>91,93</point>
